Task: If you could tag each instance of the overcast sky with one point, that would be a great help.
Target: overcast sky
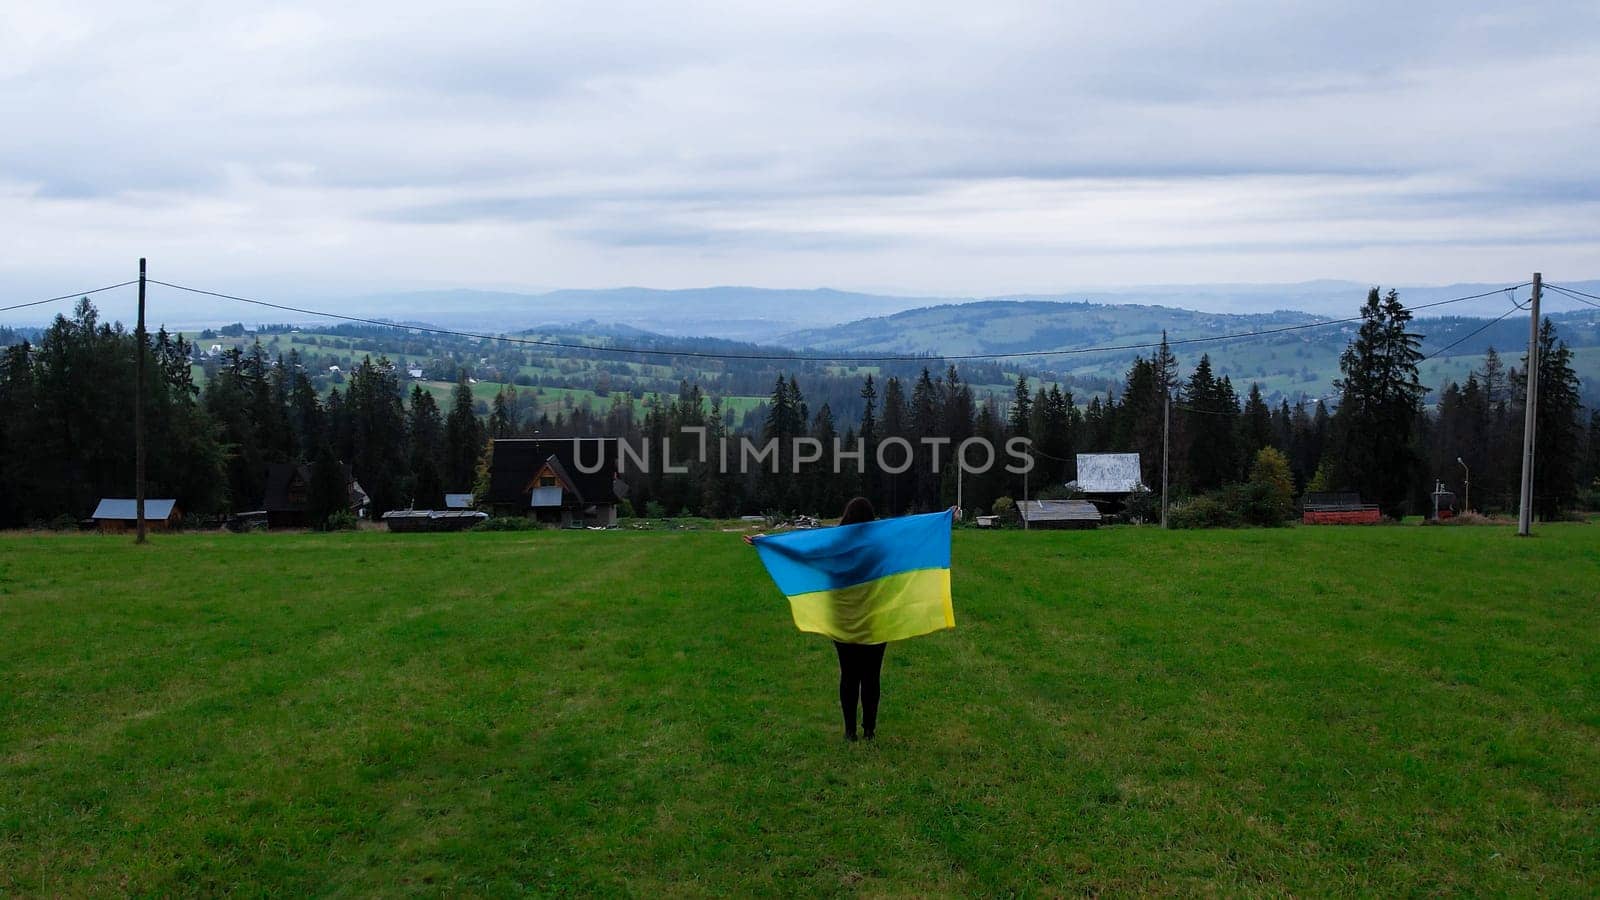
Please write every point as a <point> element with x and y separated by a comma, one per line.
<point>974,149</point>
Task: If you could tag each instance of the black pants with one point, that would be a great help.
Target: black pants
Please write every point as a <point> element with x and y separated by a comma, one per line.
<point>859,665</point>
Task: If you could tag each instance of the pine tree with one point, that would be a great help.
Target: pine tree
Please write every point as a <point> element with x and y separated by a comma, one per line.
<point>778,488</point>
<point>870,478</point>
<point>378,431</point>
<point>328,493</point>
<point>826,487</point>
<point>502,424</point>
<point>426,429</point>
<point>464,437</point>
<point>1590,479</point>
<point>1022,409</point>
<point>1208,421</point>
<point>1556,433</point>
<point>927,403</point>
<point>1255,427</point>
<point>1380,401</point>
<point>896,424</point>
<point>1139,422</point>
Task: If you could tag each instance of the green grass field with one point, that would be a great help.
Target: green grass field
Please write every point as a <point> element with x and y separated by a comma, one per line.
<point>1393,710</point>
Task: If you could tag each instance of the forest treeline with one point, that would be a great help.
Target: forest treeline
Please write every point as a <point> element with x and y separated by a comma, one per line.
<point>66,430</point>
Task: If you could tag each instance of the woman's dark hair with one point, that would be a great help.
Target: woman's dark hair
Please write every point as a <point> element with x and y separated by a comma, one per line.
<point>857,510</point>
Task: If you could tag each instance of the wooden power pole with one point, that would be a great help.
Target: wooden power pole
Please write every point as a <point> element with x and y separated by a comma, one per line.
<point>138,418</point>
<point>1530,419</point>
<point>1166,430</point>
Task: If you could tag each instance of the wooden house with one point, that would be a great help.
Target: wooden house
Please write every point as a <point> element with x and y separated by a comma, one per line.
<point>1059,514</point>
<point>558,481</point>
<point>286,497</point>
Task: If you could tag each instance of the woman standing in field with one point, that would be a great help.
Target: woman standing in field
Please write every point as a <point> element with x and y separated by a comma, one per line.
<point>859,664</point>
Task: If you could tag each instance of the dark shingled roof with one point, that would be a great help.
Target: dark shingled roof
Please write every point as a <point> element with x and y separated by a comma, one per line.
<point>517,460</point>
<point>280,476</point>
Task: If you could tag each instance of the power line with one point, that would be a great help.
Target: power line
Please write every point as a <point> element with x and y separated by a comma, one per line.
<point>1575,294</point>
<point>71,296</point>
<point>699,354</point>
<point>1475,332</point>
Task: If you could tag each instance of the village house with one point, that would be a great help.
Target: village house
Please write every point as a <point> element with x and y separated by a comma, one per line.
<point>545,479</point>
<point>286,497</point>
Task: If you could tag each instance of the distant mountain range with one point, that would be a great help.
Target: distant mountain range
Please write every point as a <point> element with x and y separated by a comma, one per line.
<point>735,313</point>
<point>1066,328</point>
<point>768,315</point>
<point>1294,363</point>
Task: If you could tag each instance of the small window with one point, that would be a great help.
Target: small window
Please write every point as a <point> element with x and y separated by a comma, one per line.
<point>547,481</point>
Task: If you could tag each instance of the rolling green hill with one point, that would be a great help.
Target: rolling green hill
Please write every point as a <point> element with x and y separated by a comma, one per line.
<point>1290,364</point>
<point>1303,362</point>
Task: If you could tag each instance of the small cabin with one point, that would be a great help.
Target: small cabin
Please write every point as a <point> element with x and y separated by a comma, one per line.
<point>117,515</point>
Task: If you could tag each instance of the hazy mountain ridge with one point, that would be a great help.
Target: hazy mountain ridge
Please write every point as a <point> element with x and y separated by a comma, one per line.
<point>769,314</point>
<point>738,313</point>
<point>1291,363</point>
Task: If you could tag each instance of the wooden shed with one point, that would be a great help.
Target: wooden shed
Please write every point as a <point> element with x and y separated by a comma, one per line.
<point>115,515</point>
<point>432,519</point>
<point>1059,514</point>
<point>1338,508</point>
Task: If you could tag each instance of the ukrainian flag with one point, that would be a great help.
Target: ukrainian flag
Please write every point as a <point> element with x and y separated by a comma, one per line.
<point>869,583</point>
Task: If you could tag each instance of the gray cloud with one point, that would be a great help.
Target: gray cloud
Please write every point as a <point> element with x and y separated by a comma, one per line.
<point>968,149</point>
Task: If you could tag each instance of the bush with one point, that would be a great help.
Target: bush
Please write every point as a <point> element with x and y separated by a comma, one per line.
<point>625,509</point>
<point>1269,497</point>
<point>506,523</point>
<point>654,510</point>
<point>341,520</point>
<point>1205,511</point>
<point>1143,505</point>
<point>1005,508</point>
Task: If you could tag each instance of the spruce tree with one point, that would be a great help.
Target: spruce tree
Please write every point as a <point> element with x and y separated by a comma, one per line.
<point>464,438</point>
<point>1256,431</point>
<point>896,424</point>
<point>1380,400</point>
<point>870,479</point>
<point>1022,409</point>
<point>1557,436</point>
<point>328,493</point>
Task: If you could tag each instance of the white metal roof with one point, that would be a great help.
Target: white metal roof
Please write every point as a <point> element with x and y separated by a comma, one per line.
<point>154,510</point>
<point>1108,473</point>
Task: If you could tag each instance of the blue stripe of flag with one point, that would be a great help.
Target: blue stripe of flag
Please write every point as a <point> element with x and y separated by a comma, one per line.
<point>822,559</point>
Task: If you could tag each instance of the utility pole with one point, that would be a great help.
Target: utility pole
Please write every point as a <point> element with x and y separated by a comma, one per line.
<point>1025,489</point>
<point>1530,413</point>
<point>1466,502</point>
<point>138,418</point>
<point>1166,430</point>
<point>960,470</point>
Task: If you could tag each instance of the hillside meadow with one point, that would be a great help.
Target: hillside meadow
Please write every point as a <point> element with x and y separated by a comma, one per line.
<point>1391,710</point>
